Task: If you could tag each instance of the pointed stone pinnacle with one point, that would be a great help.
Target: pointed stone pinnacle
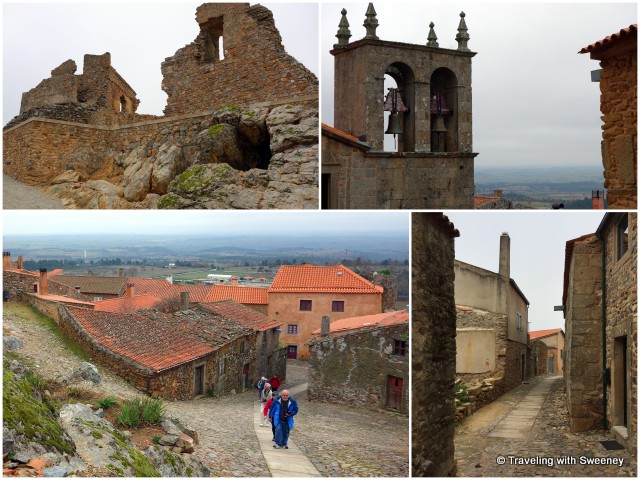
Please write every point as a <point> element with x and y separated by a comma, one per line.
<point>371,22</point>
<point>432,38</point>
<point>462,37</point>
<point>343,31</point>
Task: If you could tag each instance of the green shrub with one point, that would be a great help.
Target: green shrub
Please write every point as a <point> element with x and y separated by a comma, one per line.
<point>129,415</point>
<point>156,439</point>
<point>152,410</point>
<point>462,393</point>
<point>108,402</point>
<point>148,411</point>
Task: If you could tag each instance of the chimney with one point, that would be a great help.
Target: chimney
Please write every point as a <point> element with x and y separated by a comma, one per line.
<point>130,290</point>
<point>43,288</point>
<point>234,281</point>
<point>184,300</point>
<point>325,327</point>
<point>6,261</point>
<point>170,279</point>
<point>20,263</point>
<point>597,199</point>
<point>497,193</point>
<point>505,253</point>
<point>121,272</point>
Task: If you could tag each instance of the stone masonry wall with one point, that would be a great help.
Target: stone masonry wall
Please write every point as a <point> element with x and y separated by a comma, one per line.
<point>619,105</point>
<point>538,358</point>
<point>433,346</point>
<point>622,320</point>
<point>583,339</point>
<point>16,283</point>
<point>353,368</point>
<point>48,308</point>
<point>516,351</point>
<point>255,67</point>
<point>62,87</point>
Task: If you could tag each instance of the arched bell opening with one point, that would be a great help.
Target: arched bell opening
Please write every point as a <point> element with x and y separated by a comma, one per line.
<point>444,111</point>
<point>399,108</point>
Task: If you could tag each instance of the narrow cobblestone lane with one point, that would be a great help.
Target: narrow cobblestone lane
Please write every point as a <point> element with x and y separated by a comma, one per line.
<point>530,425</point>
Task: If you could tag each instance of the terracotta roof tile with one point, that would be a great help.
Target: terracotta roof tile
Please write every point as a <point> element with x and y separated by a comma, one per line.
<point>246,295</point>
<point>611,39</point>
<point>60,298</point>
<point>340,132</point>
<point>94,283</point>
<point>311,278</point>
<point>378,320</point>
<point>246,316</point>
<point>543,333</point>
<point>480,201</point>
<point>127,304</point>
<point>164,290</point>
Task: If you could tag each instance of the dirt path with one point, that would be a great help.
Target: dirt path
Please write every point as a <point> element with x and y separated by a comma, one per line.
<point>17,195</point>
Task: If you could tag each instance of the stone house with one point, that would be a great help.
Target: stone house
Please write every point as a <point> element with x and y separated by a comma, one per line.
<point>361,361</point>
<point>600,303</point>
<point>432,111</point>
<point>175,356</point>
<point>433,345</point>
<point>301,295</point>
<point>499,309</point>
<point>618,77</point>
<point>95,287</point>
<point>554,340</point>
<point>270,357</point>
<point>538,362</point>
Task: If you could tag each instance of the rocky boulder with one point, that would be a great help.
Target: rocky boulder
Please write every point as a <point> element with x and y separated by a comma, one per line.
<point>169,163</point>
<point>10,343</point>
<point>87,371</point>
<point>220,144</point>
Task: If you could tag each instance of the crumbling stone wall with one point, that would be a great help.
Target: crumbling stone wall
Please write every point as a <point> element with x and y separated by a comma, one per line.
<point>433,345</point>
<point>538,358</point>
<point>47,307</point>
<point>353,368</point>
<point>255,67</point>
<point>20,284</point>
<point>61,88</point>
<point>583,340</point>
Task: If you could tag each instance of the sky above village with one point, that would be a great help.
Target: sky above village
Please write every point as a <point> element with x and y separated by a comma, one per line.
<point>533,99</point>
<point>37,37</point>
<point>538,241</point>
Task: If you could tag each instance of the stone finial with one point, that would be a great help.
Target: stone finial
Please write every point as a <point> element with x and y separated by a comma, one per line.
<point>343,31</point>
<point>371,23</point>
<point>462,37</point>
<point>432,38</point>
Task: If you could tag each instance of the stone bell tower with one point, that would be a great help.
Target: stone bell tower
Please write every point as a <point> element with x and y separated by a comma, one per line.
<point>430,114</point>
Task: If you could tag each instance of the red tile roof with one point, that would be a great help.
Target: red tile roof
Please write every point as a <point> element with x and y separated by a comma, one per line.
<point>164,290</point>
<point>94,283</point>
<point>611,39</point>
<point>145,341</point>
<point>543,333</point>
<point>127,304</point>
<point>246,295</point>
<point>378,320</point>
<point>340,132</point>
<point>246,316</point>
<point>60,298</point>
<point>480,201</point>
<point>57,271</point>
<point>313,279</point>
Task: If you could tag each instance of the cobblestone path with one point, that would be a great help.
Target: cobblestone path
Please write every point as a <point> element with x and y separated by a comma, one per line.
<point>482,440</point>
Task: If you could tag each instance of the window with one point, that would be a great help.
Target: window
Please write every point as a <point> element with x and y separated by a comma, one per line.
<point>623,236</point>
<point>337,306</point>
<point>292,329</point>
<point>97,299</point>
<point>518,321</point>
<point>221,366</point>
<point>305,305</point>
<point>242,346</point>
<point>399,347</point>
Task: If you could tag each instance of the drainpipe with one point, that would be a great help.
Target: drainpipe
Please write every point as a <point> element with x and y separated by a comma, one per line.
<point>604,329</point>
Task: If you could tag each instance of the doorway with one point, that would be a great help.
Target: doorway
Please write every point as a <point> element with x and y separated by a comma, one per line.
<point>199,380</point>
<point>292,352</point>
<point>394,392</point>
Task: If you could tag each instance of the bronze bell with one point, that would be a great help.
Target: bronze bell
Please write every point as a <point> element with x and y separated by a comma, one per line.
<point>394,127</point>
<point>438,124</point>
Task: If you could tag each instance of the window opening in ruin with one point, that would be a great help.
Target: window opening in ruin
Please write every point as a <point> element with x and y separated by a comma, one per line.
<point>213,40</point>
<point>123,104</point>
<point>444,111</point>
<point>623,236</point>
<point>401,77</point>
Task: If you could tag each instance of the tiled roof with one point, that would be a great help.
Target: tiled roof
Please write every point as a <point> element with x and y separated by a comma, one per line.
<point>153,344</point>
<point>60,298</point>
<point>164,290</point>
<point>340,132</point>
<point>246,295</point>
<point>23,272</point>
<point>479,201</point>
<point>344,137</point>
<point>127,304</point>
<point>568,253</point>
<point>611,39</point>
<point>56,272</point>
<point>246,316</point>
<point>543,333</point>
<point>313,279</point>
<point>94,283</point>
<point>378,320</point>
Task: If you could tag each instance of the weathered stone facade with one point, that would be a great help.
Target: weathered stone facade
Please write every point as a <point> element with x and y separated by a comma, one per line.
<point>19,283</point>
<point>433,345</point>
<point>434,164</point>
<point>81,135</point>
<point>583,325</point>
<point>354,368</point>
<point>537,358</point>
<point>618,55</point>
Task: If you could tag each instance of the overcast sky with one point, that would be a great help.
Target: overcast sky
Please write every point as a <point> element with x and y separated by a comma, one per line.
<point>65,222</point>
<point>38,37</point>
<point>538,241</point>
<point>533,99</point>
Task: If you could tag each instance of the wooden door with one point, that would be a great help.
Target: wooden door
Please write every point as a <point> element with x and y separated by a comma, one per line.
<point>199,380</point>
<point>292,352</point>
<point>394,392</point>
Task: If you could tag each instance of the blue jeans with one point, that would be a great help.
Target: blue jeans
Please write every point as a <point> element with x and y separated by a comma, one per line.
<point>282,433</point>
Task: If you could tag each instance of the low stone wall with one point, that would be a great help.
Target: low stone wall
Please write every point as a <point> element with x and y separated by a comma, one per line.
<point>353,368</point>
<point>479,394</point>
<point>17,283</point>
<point>47,307</point>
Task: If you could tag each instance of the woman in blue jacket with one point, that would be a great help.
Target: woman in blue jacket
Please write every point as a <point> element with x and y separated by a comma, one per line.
<point>283,409</point>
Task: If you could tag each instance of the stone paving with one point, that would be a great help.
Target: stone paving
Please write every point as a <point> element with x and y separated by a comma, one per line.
<point>533,445</point>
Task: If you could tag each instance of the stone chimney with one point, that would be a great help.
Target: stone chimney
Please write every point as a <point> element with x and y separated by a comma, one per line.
<point>20,263</point>
<point>184,300</point>
<point>121,271</point>
<point>505,253</point>
<point>497,193</point>
<point>6,261</point>
<point>130,290</point>
<point>234,281</point>
<point>43,287</point>
<point>170,279</point>
<point>325,327</point>
<point>597,199</point>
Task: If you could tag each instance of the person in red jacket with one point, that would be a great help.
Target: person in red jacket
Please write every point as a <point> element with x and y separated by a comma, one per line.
<point>275,383</point>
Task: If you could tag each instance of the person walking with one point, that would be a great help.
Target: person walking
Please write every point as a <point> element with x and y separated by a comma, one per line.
<point>265,396</point>
<point>285,408</point>
<point>260,386</point>
<point>275,382</point>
